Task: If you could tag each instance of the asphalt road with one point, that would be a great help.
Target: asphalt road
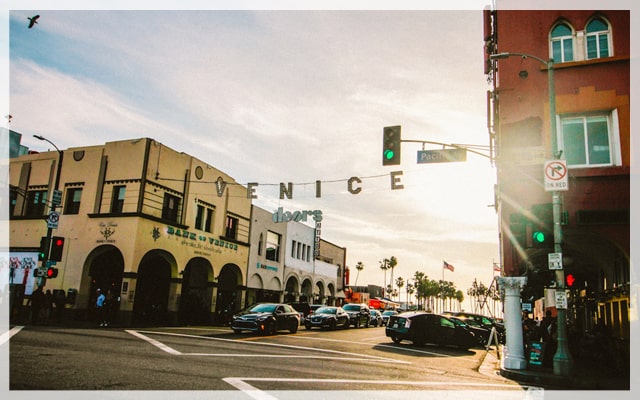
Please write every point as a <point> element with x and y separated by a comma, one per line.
<point>168,361</point>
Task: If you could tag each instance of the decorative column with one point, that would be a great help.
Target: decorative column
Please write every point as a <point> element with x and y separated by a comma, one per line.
<point>510,288</point>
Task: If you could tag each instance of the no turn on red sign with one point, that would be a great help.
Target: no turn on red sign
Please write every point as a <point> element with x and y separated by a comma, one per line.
<point>556,175</point>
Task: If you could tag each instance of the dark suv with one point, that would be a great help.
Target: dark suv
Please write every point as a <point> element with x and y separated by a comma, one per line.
<point>358,314</point>
<point>482,320</point>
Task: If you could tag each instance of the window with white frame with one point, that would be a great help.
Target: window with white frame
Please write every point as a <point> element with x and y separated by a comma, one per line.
<point>273,246</point>
<point>590,140</point>
<point>597,39</point>
<point>561,45</point>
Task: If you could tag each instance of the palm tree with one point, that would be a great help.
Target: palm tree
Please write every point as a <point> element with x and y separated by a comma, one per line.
<point>392,264</point>
<point>359,267</point>
<point>399,284</point>
<point>384,265</point>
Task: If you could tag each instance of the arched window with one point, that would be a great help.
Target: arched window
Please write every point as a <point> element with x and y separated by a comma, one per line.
<point>598,36</point>
<point>561,45</point>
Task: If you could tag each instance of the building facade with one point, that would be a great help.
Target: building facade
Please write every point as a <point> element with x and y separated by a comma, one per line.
<point>176,240</point>
<point>165,232</point>
<point>590,91</point>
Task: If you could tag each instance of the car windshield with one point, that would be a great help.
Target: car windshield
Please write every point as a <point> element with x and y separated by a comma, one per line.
<point>326,310</point>
<point>262,308</point>
<point>351,307</point>
<point>388,313</point>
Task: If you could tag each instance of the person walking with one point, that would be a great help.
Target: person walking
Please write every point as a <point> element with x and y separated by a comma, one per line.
<point>36,301</point>
<point>100,306</point>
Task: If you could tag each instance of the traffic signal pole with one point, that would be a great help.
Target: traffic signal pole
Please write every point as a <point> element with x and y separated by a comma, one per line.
<point>42,280</point>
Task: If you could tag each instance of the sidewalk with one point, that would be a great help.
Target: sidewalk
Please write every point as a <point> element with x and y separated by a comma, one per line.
<point>584,376</point>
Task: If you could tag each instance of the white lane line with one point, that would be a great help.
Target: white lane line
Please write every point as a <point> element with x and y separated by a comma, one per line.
<point>159,345</point>
<point>341,354</point>
<point>7,335</point>
<point>242,385</point>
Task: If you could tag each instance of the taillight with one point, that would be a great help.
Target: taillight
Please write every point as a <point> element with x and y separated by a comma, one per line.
<point>407,323</point>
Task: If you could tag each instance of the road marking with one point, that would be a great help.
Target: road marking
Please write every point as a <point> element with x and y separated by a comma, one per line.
<point>255,393</point>
<point>339,355</point>
<point>159,345</point>
<point>8,335</point>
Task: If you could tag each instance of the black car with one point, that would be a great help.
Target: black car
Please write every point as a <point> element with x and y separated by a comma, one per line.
<point>482,320</point>
<point>303,308</point>
<point>481,333</point>
<point>266,319</point>
<point>358,314</point>
<point>327,317</point>
<point>421,327</point>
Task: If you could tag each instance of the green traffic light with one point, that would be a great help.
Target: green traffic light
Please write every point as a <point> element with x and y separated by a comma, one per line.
<point>389,154</point>
<point>539,237</point>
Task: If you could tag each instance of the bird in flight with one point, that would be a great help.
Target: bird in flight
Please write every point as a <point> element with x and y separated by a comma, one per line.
<point>33,20</point>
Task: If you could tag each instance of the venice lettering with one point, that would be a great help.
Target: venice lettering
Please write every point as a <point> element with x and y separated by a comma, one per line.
<point>286,190</point>
<point>193,236</point>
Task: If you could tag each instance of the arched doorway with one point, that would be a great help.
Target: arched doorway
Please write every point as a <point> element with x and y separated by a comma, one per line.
<point>195,300</point>
<point>291,289</point>
<point>307,291</point>
<point>229,292</point>
<point>106,266</point>
<point>152,288</point>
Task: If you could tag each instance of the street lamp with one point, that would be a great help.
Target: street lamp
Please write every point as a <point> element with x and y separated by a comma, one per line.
<point>54,204</point>
<point>562,363</point>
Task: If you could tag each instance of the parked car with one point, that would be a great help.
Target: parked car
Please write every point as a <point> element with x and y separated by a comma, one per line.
<point>482,320</point>
<point>386,314</point>
<point>266,319</point>
<point>327,317</point>
<point>303,308</point>
<point>481,333</point>
<point>375,318</point>
<point>358,314</point>
<point>421,327</point>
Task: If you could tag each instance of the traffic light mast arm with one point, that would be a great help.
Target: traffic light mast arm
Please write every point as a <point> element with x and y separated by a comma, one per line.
<point>468,148</point>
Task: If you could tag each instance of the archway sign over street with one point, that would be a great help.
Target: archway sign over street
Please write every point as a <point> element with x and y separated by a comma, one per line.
<point>556,175</point>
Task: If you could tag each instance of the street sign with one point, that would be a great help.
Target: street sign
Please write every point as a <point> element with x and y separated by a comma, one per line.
<point>555,261</point>
<point>556,176</point>
<point>561,299</point>
<point>440,156</point>
<point>56,200</point>
<point>52,219</point>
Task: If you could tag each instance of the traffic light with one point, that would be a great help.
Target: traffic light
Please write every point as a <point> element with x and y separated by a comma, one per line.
<point>52,272</point>
<point>571,279</point>
<point>542,226</point>
<point>44,248</point>
<point>57,245</point>
<point>391,145</point>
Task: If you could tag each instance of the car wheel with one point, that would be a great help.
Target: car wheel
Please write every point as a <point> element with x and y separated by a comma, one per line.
<point>332,325</point>
<point>346,324</point>
<point>269,329</point>
<point>237,331</point>
<point>294,327</point>
<point>307,327</point>
<point>396,339</point>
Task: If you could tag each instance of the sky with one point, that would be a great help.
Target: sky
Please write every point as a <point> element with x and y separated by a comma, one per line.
<point>273,96</point>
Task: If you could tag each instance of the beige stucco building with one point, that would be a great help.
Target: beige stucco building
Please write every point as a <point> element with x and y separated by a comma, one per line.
<point>166,232</point>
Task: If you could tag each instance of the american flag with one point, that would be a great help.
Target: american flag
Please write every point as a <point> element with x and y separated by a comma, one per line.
<point>447,265</point>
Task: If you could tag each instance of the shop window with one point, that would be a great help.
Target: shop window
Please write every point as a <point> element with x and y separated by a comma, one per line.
<point>36,203</point>
<point>590,140</point>
<point>72,201</point>
<point>598,39</point>
<point>561,46</point>
<point>117,199</point>
<point>273,246</point>
<point>170,207</point>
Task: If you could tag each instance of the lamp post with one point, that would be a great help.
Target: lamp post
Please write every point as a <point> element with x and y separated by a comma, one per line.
<point>562,362</point>
<point>54,204</point>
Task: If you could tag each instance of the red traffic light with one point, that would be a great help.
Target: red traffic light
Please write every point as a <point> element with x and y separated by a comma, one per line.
<point>57,245</point>
<point>52,272</point>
